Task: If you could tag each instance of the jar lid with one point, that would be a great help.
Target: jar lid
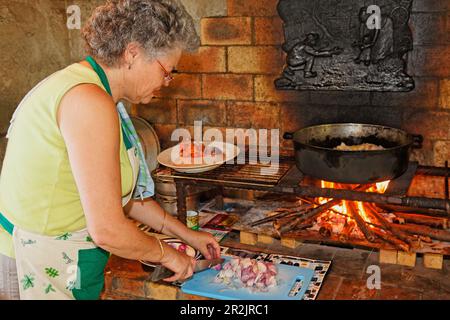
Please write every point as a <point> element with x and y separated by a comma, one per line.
<point>192,213</point>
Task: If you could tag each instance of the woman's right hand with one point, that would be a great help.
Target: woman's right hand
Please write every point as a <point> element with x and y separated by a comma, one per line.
<point>180,263</point>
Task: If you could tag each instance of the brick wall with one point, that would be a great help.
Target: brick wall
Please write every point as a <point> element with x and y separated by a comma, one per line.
<point>229,82</point>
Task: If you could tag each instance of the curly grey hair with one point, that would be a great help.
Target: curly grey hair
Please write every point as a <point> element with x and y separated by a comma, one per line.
<point>157,25</point>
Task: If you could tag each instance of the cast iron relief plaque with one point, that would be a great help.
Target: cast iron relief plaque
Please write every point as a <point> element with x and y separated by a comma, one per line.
<point>347,45</point>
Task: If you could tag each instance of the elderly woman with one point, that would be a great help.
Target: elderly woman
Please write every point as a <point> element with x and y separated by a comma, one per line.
<point>74,171</point>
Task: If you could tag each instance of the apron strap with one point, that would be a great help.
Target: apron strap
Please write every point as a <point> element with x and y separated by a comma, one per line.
<point>104,79</point>
<point>8,226</point>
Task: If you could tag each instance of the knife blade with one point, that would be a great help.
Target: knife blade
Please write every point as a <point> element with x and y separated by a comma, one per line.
<point>201,265</point>
<point>162,272</point>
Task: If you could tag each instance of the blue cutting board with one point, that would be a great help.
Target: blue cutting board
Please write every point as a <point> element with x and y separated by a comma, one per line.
<point>202,284</point>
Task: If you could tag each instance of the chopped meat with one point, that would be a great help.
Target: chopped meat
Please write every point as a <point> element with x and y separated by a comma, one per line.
<point>197,150</point>
<point>359,147</point>
<point>192,150</point>
<point>249,273</point>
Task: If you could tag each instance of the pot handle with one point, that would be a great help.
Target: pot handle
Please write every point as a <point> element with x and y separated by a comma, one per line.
<point>288,136</point>
<point>417,141</point>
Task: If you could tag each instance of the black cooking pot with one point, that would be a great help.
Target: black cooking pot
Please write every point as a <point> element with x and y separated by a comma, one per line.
<point>316,156</point>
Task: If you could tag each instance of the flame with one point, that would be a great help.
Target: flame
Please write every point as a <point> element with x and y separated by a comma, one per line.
<point>381,187</point>
<point>362,211</point>
<point>344,207</point>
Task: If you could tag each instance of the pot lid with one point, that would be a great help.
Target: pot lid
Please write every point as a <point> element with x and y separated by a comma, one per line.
<point>149,141</point>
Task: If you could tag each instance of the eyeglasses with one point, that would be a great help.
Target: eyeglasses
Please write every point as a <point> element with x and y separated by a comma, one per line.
<point>167,75</point>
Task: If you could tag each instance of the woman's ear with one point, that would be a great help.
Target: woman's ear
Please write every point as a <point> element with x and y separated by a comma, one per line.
<point>132,51</point>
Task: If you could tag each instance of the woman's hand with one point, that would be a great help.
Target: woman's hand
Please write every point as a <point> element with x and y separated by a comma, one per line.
<point>180,263</point>
<point>205,243</point>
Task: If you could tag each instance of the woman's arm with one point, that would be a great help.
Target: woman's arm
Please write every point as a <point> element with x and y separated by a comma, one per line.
<point>89,124</point>
<point>150,213</point>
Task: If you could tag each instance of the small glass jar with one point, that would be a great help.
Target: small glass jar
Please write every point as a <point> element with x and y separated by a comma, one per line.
<point>193,220</point>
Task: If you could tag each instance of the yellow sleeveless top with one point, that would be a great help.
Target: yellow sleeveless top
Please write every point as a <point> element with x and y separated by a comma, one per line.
<point>37,188</point>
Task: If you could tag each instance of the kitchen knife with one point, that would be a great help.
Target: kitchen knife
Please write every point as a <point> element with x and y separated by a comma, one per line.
<point>162,272</point>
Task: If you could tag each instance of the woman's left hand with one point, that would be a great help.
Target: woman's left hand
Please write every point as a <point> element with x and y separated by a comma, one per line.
<point>205,243</point>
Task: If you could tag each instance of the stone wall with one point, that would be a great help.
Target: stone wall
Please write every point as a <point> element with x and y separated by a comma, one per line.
<point>36,42</point>
<point>230,82</point>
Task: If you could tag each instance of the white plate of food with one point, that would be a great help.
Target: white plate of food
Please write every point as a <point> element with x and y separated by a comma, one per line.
<point>196,157</point>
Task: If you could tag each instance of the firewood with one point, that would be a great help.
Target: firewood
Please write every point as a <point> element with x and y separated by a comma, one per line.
<point>411,210</point>
<point>284,225</point>
<point>420,230</point>
<point>361,223</point>
<point>347,231</point>
<point>283,212</point>
<point>425,239</point>
<point>372,210</point>
<point>385,236</point>
<point>305,225</point>
<point>294,206</point>
<point>270,218</point>
<point>281,227</point>
<point>435,222</point>
<point>326,230</point>
<point>328,205</point>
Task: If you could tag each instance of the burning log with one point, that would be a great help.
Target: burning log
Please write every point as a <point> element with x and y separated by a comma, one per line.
<point>283,227</point>
<point>286,226</point>
<point>424,239</point>
<point>399,244</point>
<point>326,230</point>
<point>347,231</point>
<point>435,222</point>
<point>362,223</point>
<point>305,225</point>
<point>387,225</point>
<point>415,229</point>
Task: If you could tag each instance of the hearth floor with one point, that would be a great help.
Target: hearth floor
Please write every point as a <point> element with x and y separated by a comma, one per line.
<point>346,279</point>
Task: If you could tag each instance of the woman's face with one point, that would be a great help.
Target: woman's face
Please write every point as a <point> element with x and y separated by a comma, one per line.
<point>146,77</point>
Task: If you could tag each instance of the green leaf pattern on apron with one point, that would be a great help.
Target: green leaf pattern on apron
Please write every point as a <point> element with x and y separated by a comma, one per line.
<point>27,282</point>
<point>52,272</point>
<point>65,236</point>
<point>49,289</point>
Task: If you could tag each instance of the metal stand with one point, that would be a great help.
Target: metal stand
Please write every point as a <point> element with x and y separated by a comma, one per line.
<point>289,180</point>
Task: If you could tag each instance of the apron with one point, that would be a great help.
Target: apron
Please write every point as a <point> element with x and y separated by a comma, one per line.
<point>69,266</point>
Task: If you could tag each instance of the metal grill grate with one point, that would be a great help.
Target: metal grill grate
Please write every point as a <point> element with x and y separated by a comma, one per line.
<point>248,173</point>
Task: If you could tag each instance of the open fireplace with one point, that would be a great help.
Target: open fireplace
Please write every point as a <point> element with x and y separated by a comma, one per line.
<point>340,55</point>
<point>374,216</point>
<point>293,64</point>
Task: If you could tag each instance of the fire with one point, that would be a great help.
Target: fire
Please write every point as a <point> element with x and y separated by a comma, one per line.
<point>381,187</point>
<point>345,208</point>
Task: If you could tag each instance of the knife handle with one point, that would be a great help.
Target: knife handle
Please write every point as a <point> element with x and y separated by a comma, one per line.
<point>161,273</point>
